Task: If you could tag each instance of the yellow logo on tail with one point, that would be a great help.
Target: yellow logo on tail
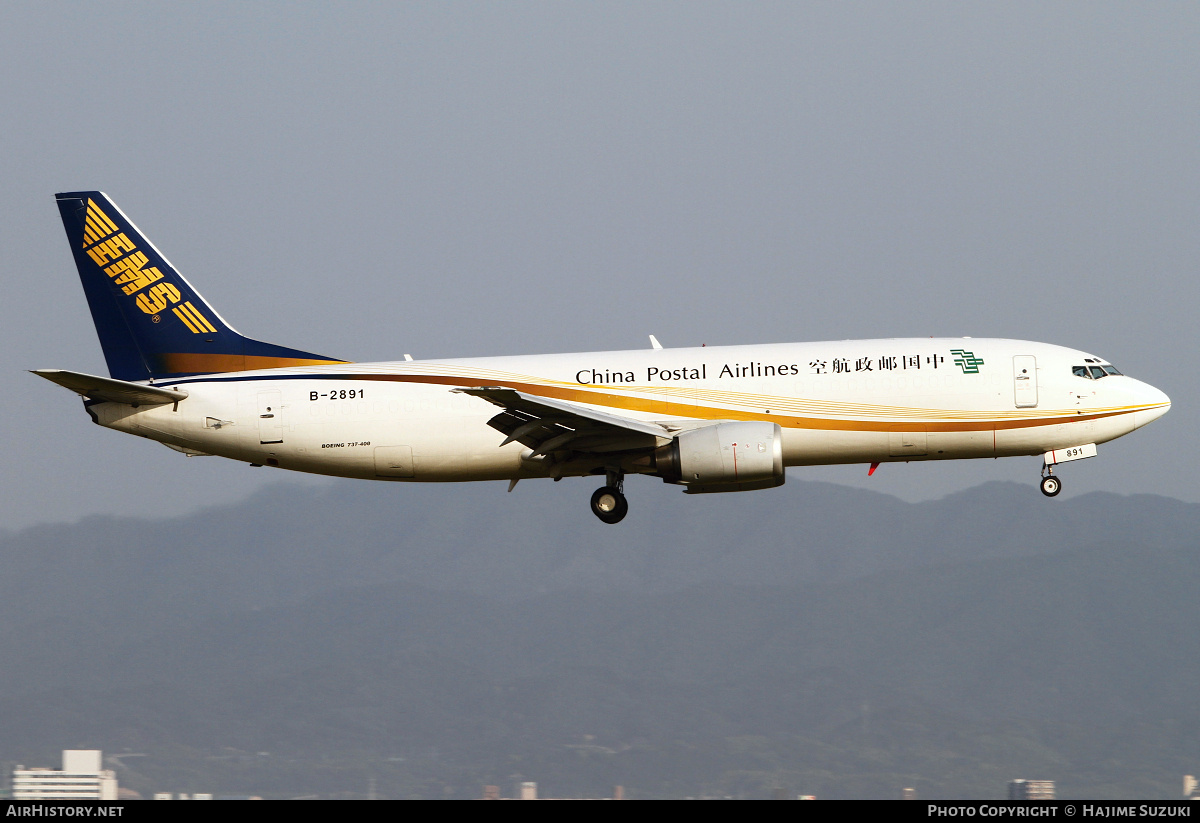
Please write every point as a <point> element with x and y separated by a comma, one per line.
<point>130,275</point>
<point>193,319</point>
<point>106,244</point>
<point>97,226</point>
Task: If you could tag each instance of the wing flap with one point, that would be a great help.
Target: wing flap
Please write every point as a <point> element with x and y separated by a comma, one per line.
<point>113,391</point>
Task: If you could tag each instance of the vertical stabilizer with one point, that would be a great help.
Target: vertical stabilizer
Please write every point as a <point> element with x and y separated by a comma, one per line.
<point>151,322</point>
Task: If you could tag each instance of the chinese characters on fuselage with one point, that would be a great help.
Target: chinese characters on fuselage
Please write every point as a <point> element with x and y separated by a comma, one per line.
<point>967,361</point>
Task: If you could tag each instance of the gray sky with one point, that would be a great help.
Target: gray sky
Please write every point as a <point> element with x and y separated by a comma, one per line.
<point>364,180</point>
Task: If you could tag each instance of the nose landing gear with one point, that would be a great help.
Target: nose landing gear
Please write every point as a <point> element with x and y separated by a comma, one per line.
<point>608,502</point>
<point>1051,485</point>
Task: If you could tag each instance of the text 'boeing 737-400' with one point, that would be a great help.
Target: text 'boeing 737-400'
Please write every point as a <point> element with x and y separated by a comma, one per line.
<point>709,419</point>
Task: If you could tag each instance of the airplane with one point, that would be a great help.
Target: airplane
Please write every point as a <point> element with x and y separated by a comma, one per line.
<point>708,419</point>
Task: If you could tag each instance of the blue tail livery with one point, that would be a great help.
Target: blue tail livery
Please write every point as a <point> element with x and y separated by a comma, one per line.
<point>150,321</point>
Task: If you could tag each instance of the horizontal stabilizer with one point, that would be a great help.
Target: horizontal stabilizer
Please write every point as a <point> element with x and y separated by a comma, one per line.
<point>114,391</point>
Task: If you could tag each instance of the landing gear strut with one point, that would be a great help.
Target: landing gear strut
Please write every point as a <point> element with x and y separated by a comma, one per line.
<point>608,502</point>
<point>1051,485</point>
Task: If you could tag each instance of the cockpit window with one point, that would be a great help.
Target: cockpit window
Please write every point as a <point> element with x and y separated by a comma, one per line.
<point>1093,372</point>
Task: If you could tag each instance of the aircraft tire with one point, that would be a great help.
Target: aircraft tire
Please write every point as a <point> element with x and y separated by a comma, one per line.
<point>609,505</point>
<point>1051,485</point>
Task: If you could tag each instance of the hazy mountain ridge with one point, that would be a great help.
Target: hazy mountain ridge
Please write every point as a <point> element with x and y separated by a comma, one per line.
<point>473,646</point>
<point>291,541</point>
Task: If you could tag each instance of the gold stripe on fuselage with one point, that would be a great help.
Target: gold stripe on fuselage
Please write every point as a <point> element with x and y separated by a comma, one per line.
<point>663,408</point>
<point>204,363</point>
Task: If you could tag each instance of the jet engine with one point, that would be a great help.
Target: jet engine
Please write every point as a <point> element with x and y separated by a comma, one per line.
<point>724,457</point>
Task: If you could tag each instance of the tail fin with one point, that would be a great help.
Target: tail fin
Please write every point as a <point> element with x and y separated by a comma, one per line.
<point>151,322</point>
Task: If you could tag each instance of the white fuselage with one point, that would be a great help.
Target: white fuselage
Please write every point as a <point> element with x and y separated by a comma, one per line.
<point>836,402</point>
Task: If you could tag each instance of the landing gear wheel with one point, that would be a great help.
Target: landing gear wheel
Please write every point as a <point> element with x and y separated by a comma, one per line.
<point>1051,485</point>
<point>609,504</point>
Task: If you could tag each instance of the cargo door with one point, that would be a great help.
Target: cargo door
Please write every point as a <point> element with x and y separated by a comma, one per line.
<point>394,461</point>
<point>907,443</point>
<point>1025,390</point>
<point>270,417</point>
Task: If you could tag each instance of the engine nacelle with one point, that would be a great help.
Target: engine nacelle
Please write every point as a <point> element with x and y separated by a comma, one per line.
<point>724,457</point>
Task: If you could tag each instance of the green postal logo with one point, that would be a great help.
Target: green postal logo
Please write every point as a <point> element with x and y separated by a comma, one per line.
<point>967,359</point>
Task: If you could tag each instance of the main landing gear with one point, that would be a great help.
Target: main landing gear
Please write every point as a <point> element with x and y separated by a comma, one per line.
<point>608,502</point>
<point>1051,485</point>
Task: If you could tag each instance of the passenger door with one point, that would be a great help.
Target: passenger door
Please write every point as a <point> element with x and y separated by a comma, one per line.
<point>1025,389</point>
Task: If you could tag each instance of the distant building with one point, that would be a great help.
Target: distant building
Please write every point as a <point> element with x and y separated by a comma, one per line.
<point>80,778</point>
<point>528,790</point>
<point>1031,790</point>
<point>183,796</point>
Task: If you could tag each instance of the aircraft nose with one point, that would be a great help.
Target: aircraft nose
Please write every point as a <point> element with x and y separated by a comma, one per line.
<point>1156,402</point>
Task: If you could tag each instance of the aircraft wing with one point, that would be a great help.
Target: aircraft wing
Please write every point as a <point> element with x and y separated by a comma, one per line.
<point>114,391</point>
<point>546,425</point>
